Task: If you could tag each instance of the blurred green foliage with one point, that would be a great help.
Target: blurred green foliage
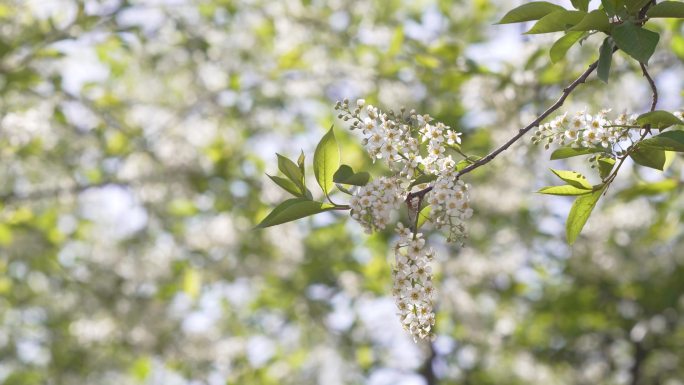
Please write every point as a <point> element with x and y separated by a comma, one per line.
<point>134,138</point>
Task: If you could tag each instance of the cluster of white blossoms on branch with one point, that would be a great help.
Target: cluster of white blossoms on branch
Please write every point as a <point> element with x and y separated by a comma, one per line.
<point>413,146</point>
<point>410,143</point>
<point>586,130</point>
<point>373,203</point>
<point>449,202</point>
<point>418,152</point>
<point>413,290</point>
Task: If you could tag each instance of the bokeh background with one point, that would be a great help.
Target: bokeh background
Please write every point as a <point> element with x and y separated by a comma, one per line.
<point>134,140</point>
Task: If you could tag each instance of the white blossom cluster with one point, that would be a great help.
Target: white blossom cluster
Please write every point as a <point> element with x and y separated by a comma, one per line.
<point>413,290</point>
<point>372,204</point>
<point>413,145</point>
<point>449,205</point>
<point>410,143</point>
<point>585,130</point>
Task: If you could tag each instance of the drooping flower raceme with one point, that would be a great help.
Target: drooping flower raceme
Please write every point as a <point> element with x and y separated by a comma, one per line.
<point>413,290</point>
<point>413,146</point>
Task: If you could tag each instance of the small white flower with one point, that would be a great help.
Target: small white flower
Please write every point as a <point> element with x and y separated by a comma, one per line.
<point>453,137</point>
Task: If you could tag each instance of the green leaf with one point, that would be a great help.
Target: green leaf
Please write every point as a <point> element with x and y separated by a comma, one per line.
<point>291,171</point>
<point>326,161</point>
<point>648,189</point>
<point>569,152</point>
<point>346,175</point>
<point>300,163</point>
<point>564,190</point>
<point>556,21</point>
<point>667,9</point>
<point>6,235</point>
<point>634,6</point>
<point>182,208</point>
<point>462,164</point>
<point>425,178</point>
<point>582,5</point>
<point>534,10</point>
<point>424,215</point>
<point>669,141</point>
<point>342,173</point>
<point>343,189</point>
<point>141,368</point>
<point>397,41</point>
<point>605,59</point>
<point>637,42</point>
<point>192,282</point>
<point>287,185</point>
<point>579,213</point>
<point>649,157</point>
<point>560,48</point>
<point>595,20</point>
<point>612,6</point>
<point>658,119</point>
<point>605,166</point>
<point>428,61</point>
<point>293,209</point>
<point>573,178</point>
<point>669,158</point>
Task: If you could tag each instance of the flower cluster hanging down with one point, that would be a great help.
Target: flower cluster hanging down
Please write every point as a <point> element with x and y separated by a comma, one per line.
<point>416,149</point>
<point>413,290</point>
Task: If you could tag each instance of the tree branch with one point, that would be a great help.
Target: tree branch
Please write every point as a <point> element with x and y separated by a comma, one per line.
<point>646,131</point>
<point>639,356</point>
<point>654,89</point>
<point>52,192</point>
<point>427,371</point>
<point>654,97</point>
<point>566,92</point>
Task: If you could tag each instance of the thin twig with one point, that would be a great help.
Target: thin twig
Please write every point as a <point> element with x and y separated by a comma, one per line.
<point>51,192</point>
<point>427,371</point>
<point>482,161</point>
<point>647,129</point>
<point>540,118</point>
<point>654,89</point>
<point>640,354</point>
<point>535,123</point>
